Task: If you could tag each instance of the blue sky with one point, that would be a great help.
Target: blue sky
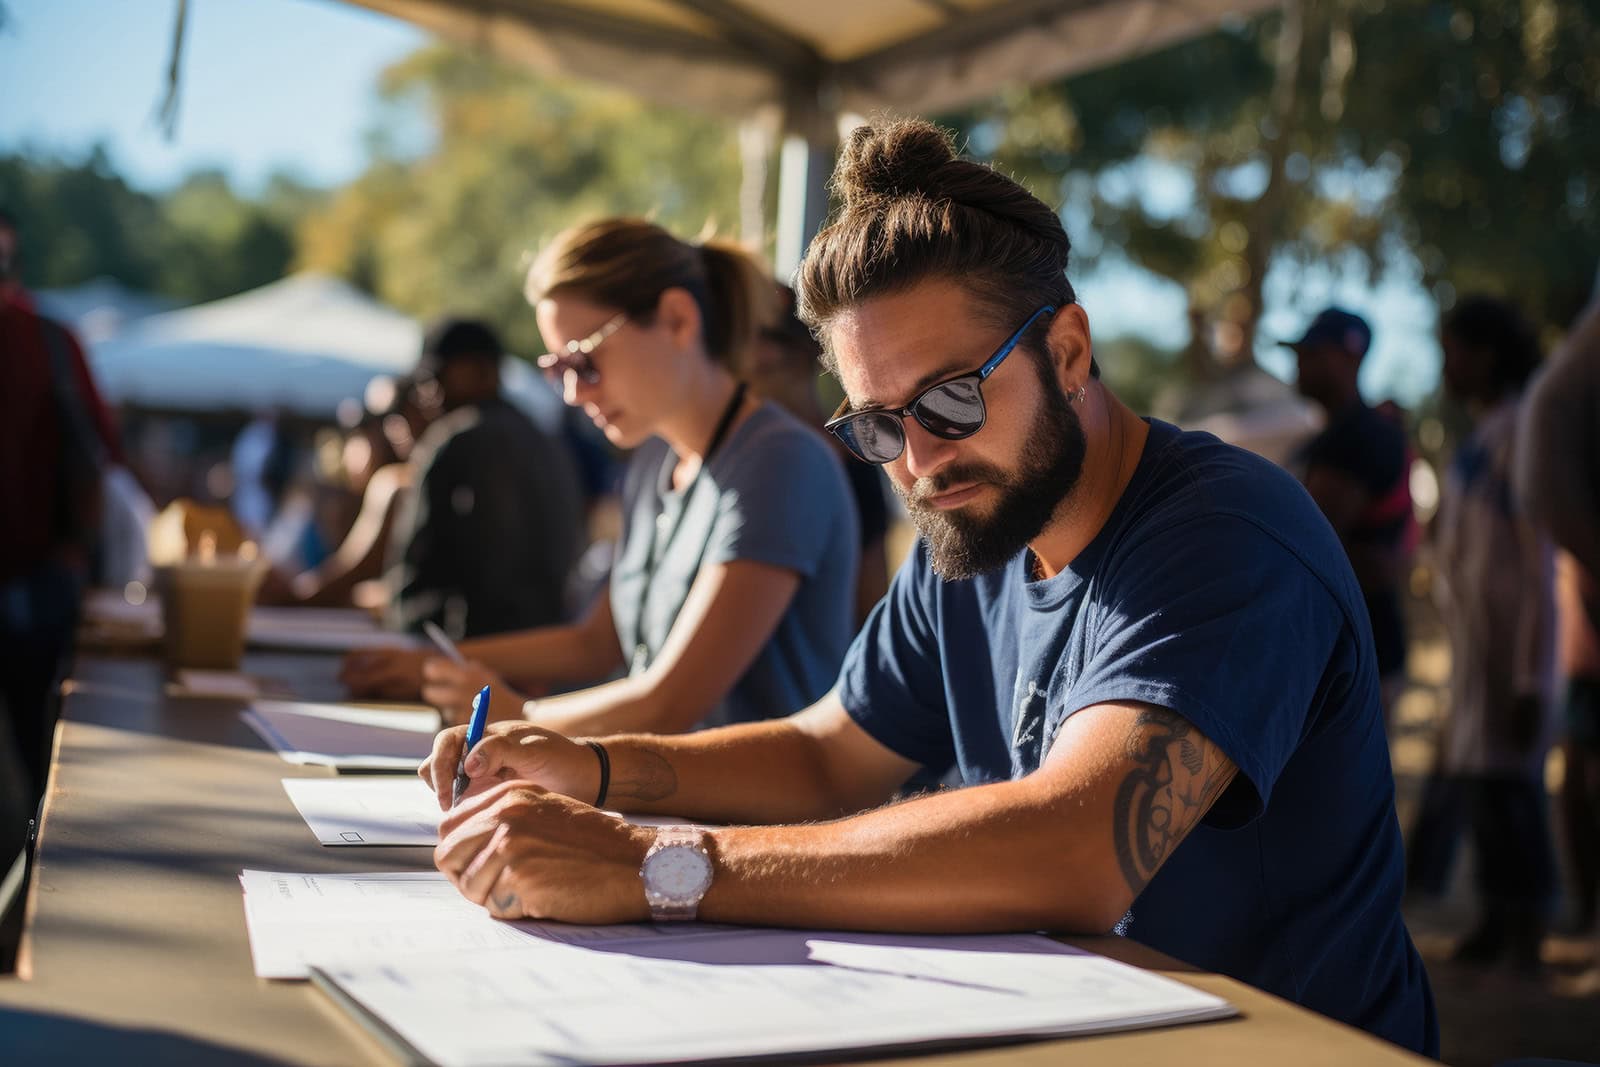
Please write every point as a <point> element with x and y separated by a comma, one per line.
<point>289,85</point>
<point>267,84</point>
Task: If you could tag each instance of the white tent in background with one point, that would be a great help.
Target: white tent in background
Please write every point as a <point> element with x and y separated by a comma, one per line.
<point>299,345</point>
<point>100,309</point>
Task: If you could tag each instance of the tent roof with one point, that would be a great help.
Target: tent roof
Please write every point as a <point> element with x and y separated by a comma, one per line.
<point>100,308</point>
<point>301,344</point>
<point>815,59</point>
<point>307,314</point>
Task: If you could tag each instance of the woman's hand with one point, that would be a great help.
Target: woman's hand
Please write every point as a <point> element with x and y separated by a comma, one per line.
<point>450,687</point>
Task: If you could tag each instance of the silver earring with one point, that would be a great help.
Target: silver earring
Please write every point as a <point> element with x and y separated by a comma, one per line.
<point>1082,392</point>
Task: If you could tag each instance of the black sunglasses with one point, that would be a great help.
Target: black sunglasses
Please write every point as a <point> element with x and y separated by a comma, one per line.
<point>951,409</point>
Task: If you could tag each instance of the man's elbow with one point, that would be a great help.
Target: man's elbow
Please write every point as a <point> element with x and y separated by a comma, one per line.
<point>1080,900</point>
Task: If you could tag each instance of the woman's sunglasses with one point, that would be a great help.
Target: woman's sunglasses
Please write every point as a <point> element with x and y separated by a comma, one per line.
<point>574,356</point>
<point>951,409</point>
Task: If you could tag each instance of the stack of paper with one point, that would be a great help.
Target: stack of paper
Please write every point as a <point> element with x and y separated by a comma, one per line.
<point>295,918</point>
<point>746,994</point>
<point>344,736</point>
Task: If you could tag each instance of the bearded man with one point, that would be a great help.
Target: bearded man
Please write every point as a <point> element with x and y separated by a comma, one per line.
<point>1143,650</point>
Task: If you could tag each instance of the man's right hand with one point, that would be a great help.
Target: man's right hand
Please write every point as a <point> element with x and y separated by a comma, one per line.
<point>385,673</point>
<point>513,751</point>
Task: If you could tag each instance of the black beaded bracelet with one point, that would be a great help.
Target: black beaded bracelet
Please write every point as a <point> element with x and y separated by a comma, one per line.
<point>605,772</point>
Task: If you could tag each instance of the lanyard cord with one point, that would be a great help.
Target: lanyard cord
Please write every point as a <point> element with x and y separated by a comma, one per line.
<point>641,653</point>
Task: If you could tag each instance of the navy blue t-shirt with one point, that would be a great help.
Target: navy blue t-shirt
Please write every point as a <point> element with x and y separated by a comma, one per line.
<point>1216,590</point>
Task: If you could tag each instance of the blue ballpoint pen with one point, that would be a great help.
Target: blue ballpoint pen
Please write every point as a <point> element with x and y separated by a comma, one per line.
<point>480,716</point>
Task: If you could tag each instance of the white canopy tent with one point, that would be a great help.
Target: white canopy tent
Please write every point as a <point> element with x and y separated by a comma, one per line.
<point>299,345</point>
<point>802,67</point>
<point>100,309</point>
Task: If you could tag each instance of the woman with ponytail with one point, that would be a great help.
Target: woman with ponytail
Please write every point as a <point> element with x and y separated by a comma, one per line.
<point>731,597</point>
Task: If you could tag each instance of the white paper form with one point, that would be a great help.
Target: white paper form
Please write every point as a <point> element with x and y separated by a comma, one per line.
<point>1019,963</point>
<point>294,917</point>
<point>367,811</point>
<point>559,1004</point>
<point>344,736</point>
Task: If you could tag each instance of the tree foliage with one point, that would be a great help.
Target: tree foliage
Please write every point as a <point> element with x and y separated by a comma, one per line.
<point>1464,135</point>
<point>200,241</point>
<point>516,158</point>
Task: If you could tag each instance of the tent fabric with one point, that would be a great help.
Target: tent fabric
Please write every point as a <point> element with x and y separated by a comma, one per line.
<point>300,345</point>
<point>813,61</point>
<point>99,309</point>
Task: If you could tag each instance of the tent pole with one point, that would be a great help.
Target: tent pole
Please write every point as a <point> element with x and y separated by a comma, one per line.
<point>803,173</point>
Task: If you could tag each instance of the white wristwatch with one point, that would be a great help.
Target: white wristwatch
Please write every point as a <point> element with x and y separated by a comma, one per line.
<point>676,873</point>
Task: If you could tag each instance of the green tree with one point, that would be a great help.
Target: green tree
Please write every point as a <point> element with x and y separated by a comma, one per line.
<point>1464,135</point>
<point>201,241</point>
<point>515,158</point>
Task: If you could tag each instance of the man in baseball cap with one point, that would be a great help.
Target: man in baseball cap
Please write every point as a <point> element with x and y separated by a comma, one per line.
<point>485,543</point>
<point>1358,471</point>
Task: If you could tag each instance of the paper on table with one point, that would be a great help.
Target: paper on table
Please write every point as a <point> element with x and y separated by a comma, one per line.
<point>321,630</point>
<point>198,683</point>
<point>296,917</point>
<point>549,1003</point>
<point>388,811</point>
<point>1016,963</point>
<point>367,811</point>
<point>344,736</point>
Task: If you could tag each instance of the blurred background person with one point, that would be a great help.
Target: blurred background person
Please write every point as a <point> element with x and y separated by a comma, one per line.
<point>1558,476</point>
<point>784,365</point>
<point>54,434</point>
<point>1495,571</point>
<point>733,592</point>
<point>485,543</point>
<point>372,467</point>
<point>1357,469</point>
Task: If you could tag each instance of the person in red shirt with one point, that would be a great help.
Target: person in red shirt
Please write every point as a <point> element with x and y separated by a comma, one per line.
<point>53,444</point>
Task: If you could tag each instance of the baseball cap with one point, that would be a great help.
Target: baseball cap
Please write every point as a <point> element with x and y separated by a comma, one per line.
<point>1343,329</point>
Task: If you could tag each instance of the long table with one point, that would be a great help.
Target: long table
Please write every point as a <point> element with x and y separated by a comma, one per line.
<point>135,948</point>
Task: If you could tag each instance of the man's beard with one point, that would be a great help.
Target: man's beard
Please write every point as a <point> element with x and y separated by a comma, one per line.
<point>962,544</point>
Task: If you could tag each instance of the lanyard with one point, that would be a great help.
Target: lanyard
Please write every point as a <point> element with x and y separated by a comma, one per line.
<point>641,652</point>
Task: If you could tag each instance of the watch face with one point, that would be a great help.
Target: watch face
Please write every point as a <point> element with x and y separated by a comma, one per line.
<point>679,872</point>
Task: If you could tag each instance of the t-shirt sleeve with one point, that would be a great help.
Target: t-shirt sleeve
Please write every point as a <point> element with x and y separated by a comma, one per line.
<point>780,501</point>
<point>892,683</point>
<point>1220,623</point>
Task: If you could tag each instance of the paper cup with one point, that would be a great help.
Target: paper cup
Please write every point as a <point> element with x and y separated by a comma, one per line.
<point>205,608</point>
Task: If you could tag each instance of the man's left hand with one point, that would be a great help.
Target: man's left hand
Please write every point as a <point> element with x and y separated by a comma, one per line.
<point>524,853</point>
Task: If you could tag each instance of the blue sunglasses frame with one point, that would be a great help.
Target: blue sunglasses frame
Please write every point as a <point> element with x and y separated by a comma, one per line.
<point>845,423</point>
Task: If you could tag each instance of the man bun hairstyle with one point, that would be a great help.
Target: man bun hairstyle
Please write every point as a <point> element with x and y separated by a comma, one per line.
<point>628,263</point>
<point>912,209</point>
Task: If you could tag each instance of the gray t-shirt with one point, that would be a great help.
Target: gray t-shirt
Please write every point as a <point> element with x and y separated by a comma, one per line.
<point>773,493</point>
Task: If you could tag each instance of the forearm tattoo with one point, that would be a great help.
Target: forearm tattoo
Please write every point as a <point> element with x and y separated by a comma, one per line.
<point>647,776</point>
<point>1176,776</point>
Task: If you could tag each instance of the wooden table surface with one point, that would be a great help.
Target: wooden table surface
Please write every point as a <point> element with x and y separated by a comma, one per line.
<point>135,950</point>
